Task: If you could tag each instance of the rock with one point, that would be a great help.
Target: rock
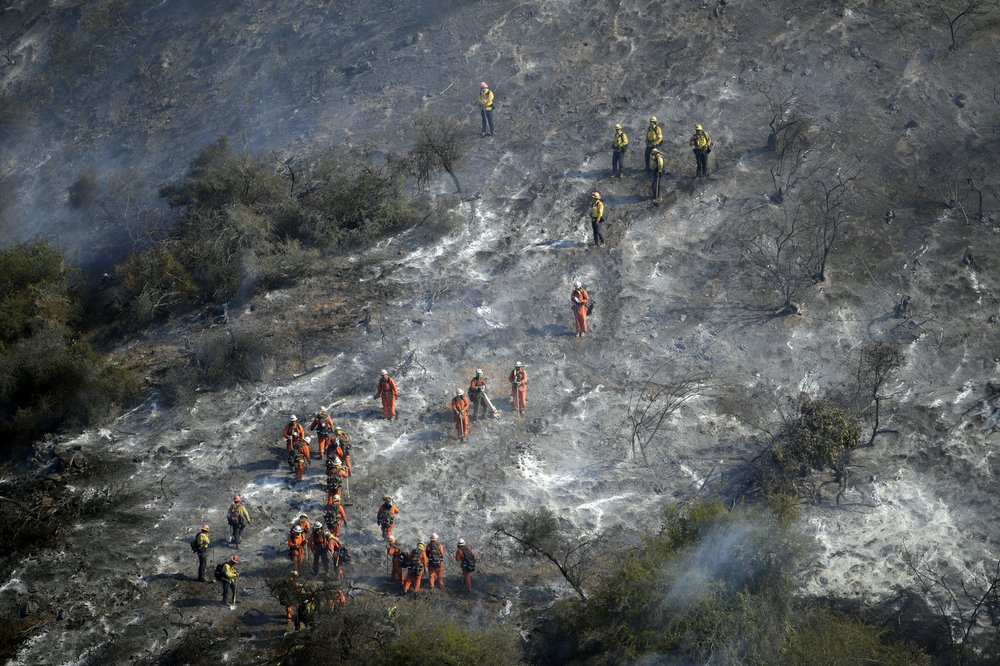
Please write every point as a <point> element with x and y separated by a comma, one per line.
<point>893,107</point>
<point>911,125</point>
<point>787,68</point>
<point>960,100</point>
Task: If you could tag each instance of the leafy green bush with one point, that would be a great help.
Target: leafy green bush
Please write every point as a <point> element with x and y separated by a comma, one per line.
<point>48,379</point>
<point>823,434</point>
<point>430,637</point>
<point>824,637</point>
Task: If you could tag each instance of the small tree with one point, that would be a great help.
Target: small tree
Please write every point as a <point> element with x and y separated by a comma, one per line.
<point>652,403</point>
<point>439,146</point>
<point>956,16</point>
<point>774,243</point>
<point>877,364</point>
<point>831,198</point>
<point>538,535</point>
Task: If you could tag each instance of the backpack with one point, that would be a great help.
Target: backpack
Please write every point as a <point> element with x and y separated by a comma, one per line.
<point>343,556</point>
<point>434,558</point>
<point>334,482</point>
<point>468,561</point>
<point>219,573</point>
<point>194,545</point>
<point>235,516</point>
<point>590,307</point>
<point>416,566</point>
<point>385,518</point>
<point>404,560</point>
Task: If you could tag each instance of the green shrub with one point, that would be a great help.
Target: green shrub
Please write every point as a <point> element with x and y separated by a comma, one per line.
<point>823,637</point>
<point>429,637</point>
<point>48,379</point>
<point>823,434</point>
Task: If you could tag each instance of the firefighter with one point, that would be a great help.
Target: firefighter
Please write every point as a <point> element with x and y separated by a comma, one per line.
<point>435,562</point>
<point>578,302</point>
<point>597,218</point>
<point>477,393</point>
<point>200,547</point>
<point>323,425</point>
<point>702,146</point>
<point>342,447</point>
<point>228,580</point>
<point>415,570</point>
<point>486,107</point>
<point>654,137</point>
<point>297,546</point>
<point>335,475</point>
<point>238,518</point>
<point>294,432</point>
<point>657,173</point>
<point>320,547</point>
<point>392,553</point>
<point>460,410</point>
<point>386,516</point>
<point>519,387</point>
<point>388,391</point>
<point>467,560</point>
<point>337,509</point>
<point>618,148</point>
<point>299,458</point>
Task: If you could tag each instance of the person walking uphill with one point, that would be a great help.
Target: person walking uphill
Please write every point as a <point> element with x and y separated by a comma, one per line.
<point>654,137</point>
<point>323,425</point>
<point>435,562</point>
<point>597,218</point>
<point>388,391</point>
<point>297,546</point>
<point>238,518</point>
<point>228,578</point>
<point>460,410</point>
<point>579,300</point>
<point>702,146</point>
<point>618,148</point>
<point>486,107</point>
<point>200,547</point>
<point>519,387</point>
<point>294,433</point>
<point>416,569</point>
<point>386,516</point>
<point>392,553</point>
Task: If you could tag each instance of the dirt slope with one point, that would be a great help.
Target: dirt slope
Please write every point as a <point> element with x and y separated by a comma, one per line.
<point>668,287</point>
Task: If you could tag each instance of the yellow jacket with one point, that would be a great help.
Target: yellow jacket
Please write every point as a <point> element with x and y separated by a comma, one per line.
<point>597,211</point>
<point>621,140</point>
<point>659,163</point>
<point>654,135</point>
<point>229,572</point>
<point>486,99</point>
<point>701,141</point>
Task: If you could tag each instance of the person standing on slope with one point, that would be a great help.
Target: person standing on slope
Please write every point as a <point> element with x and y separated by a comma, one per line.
<point>386,516</point>
<point>597,218</point>
<point>657,172</point>
<point>200,547</point>
<point>486,107</point>
<point>578,302</point>
<point>460,410</point>
<point>702,146</point>
<point>477,393</point>
<point>654,137</point>
<point>323,425</point>
<point>238,518</point>
<point>519,387</point>
<point>618,148</point>
<point>228,579</point>
<point>388,391</point>
<point>467,561</point>
<point>435,562</point>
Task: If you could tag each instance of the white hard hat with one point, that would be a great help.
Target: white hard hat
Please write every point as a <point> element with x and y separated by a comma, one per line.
<point>434,536</point>
<point>384,372</point>
<point>318,525</point>
<point>336,498</point>
<point>458,392</point>
<point>576,283</point>
<point>293,417</point>
<point>518,364</point>
<point>653,119</point>
<point>461,541</point>
<point>297,529</point>
<point>337,460</point>
<point>308,439</point>
<point>479,371</point>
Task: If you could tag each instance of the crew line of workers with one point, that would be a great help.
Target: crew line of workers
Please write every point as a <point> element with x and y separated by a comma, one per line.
<point>325,540</point>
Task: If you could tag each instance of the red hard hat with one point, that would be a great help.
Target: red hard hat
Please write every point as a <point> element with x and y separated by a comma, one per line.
<point>483,85</point>
<point>236,498</point>
<point>204,528</point>
<point>235,558</point>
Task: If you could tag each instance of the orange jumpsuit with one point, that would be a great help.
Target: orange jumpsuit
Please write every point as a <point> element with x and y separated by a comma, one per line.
<point>393,553</point>
<point>460,409</point>
<point>342,447</point>
<point>305,525</point>
<point>579,300</point>
<point>302,455</point>
<point>476,388</point>
<point>466,575</point>
<point>294,590</point>
<point>321,552</point>
<point>519,388</point>
<point>387,522</point>
<point>294,432</point>
<point>332,487</point>
<point>388,391</point>
<point>435,572</point>
<point>323,424</point>
<point>297,548</point>
<point>338,510</point>
<point>415,573</point>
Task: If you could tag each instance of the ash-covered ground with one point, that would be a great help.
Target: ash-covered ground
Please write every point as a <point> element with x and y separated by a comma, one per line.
<point>885,99</point>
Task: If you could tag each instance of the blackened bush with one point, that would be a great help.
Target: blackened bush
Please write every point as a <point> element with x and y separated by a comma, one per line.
<point>821,436</point>
<point>231,356</point>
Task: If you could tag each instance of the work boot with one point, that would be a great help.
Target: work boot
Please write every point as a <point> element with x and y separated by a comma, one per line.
<point>484,134</point>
